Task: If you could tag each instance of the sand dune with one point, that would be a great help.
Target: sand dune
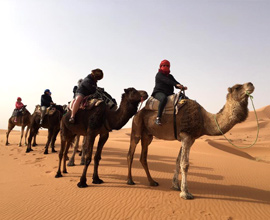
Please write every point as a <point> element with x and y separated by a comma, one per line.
<point>227,182</point>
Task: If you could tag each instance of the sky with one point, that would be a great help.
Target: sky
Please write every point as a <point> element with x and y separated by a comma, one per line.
<point>211,44</point>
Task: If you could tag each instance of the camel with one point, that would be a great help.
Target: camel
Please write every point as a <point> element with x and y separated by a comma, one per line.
<point>98,121</point>
<point>51,121</point>
<point>23,120</point>
<point>192,122</point>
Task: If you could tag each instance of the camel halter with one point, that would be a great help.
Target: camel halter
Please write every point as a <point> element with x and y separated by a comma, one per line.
<point>251,97</point>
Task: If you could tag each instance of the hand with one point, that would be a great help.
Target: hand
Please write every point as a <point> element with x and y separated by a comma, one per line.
<point>179,86</point>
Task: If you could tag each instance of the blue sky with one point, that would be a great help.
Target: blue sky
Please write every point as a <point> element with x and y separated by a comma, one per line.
<point>211,45</point>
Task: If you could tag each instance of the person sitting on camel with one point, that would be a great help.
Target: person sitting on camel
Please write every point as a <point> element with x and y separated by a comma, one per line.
<point>46,101</point>
<point>87,87</point>
<point>164,86</point>
<point>18,106</point>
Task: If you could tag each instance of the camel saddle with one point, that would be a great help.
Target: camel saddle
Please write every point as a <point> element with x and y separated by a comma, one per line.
<point>49,110</point>
<point>88,102</point>
<point>174,103</point>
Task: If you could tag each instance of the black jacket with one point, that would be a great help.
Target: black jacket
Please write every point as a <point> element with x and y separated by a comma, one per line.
<point>46,100</point>
<point>88,86</point>
<point>164,84</point>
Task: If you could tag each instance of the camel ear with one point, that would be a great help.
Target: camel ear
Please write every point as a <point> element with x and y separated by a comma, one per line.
<point>125,90</point>
<point>230,90</point>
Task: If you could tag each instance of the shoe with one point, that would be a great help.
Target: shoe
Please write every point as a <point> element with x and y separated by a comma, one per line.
<point>158,121</point>
<point>71,120</point>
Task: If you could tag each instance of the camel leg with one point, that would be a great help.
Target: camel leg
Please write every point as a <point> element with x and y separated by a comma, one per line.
<point>84,150</point>
<point>72,158</point>
<point>146,140</point>
<point>35,141</point>
<point>184,165</point>
<point>69,142</point>
<point>25,137</point>
<point>89,143</point>
<point>60,155</point>
<point>55,133</point>
<point>49,138</point>
<point>175,181</point>
<point>10,127</point>
<point>22,132</point>
<point>133,143</point>
<point>102,140</point>
<point>33,132</point>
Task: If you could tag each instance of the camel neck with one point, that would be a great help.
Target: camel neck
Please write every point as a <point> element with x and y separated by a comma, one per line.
<point>117,119</point>
<point>231,114</point>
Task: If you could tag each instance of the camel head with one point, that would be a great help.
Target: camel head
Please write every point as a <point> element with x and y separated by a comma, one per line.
<point>239,93</point>
<point>135,96</point>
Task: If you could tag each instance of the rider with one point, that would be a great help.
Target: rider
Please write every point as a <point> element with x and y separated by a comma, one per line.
<point>46,101</point>
<point>87,87</point>
<point>18,106</point>
<point>164,86</point>
<point>76,87</point>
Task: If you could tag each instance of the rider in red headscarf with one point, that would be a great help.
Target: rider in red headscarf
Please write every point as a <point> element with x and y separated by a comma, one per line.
<point>164,86</point>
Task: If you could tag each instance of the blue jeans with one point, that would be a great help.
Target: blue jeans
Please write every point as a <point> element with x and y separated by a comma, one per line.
<point>162,98</point>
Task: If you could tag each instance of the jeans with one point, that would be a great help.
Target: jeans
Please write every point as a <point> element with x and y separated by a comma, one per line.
<point>162,98</point>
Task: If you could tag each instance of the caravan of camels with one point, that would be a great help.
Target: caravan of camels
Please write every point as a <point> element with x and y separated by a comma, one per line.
<point>91,114</point>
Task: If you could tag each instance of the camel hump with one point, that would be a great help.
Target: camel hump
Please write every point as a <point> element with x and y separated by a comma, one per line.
<point>152,104</point>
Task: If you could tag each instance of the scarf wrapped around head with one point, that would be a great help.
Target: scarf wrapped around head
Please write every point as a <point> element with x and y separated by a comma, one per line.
<point>164,67</point>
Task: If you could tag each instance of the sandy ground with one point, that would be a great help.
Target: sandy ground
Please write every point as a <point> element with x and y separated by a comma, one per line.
<point>228,183</point>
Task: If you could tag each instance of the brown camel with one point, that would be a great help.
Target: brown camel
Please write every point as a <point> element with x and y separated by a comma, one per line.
<point>51,121</point>
<point>71,161</point>
<point>23,120</point>
<point>97,121</point>
<point>192,122</point>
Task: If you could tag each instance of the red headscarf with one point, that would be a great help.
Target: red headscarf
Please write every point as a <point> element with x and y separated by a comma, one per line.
<point>165,67</point>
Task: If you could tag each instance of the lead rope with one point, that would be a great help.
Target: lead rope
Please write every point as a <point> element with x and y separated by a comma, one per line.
<point>251,97</point>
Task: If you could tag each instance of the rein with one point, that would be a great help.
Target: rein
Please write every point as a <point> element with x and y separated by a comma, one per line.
<point>251,97</point>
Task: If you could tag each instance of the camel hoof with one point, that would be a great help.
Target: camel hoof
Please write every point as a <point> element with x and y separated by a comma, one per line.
<point>175,188</point>
<point>46,152</point>
<point>71,164</point>
<point>154,183</point>
<point>58,174</point>
<point>130,182</point>
<point>97,181</point>
<point>82,185</point>
<point>34,145</point>
<point>186,195</point>
<point>54,151</point>
<point>7,144</point>
<point>82,163</point>
<point>28,150</point>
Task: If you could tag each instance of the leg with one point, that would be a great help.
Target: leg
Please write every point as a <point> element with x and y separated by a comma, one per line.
<point>84,151</point>
<point>184,165</point>
<point>33,132</point>
<point>25,137</point>
<point>75,106</point>
<point>22,131</point>
<point>55,133</point>
<point>50,134</point>
<point>89,143</point>
<point>162,103</point>
<point>146,140</point>
<point>35,141</point>
<point>69,142</point>
<point>175,181</point>
<point>133,143</point>
<point>63,145</point>
<point>10,127</point>
<point>102,140</point>
<point>72,158</point>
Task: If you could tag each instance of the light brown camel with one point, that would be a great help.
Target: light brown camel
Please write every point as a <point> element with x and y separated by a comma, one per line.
<point>71,161</point>
<point>192,122</point>
<point>50,121</point>
<point>97,121</point>
<point>23,120</point>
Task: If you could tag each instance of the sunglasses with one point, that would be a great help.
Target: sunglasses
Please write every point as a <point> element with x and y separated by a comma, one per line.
<point>166,65</point>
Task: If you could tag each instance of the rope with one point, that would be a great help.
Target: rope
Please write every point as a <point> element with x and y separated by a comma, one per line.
<point>251,97</point>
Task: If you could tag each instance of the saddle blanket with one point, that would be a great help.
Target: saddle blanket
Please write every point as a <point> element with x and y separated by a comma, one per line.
<point>172,102</point>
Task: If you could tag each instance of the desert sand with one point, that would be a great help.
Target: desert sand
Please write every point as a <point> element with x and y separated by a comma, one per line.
<point>228,183</point>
